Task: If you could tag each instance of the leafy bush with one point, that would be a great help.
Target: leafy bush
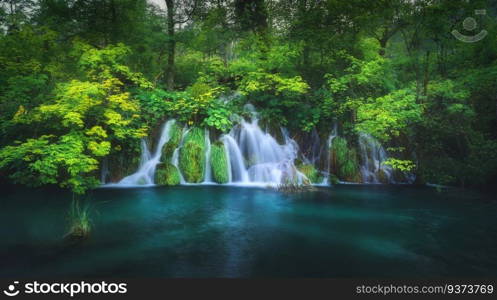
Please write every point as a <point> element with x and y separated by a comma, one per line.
<point>85,121</point>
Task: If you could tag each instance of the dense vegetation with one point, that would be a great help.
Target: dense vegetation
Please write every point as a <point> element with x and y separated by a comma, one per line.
<point>82,81</point>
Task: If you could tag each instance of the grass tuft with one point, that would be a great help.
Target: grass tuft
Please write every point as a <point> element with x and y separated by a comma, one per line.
<point>80,222</point>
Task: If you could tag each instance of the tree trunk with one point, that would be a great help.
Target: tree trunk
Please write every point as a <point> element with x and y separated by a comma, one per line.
<point>172,45</point>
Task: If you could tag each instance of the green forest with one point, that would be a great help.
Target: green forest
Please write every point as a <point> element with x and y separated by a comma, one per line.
<point>83,82</point>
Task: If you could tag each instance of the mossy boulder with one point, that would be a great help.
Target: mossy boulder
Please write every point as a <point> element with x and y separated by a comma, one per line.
<point>175,133</point>
<point>192,156</point>
<point>167,174</point>
<point>344,161</point>
<point>333,179</point>
<point>219,163</point>
<point>383,177</point>
<point>310,172</point>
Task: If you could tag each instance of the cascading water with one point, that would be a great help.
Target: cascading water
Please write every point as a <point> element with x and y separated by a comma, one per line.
<point>175,158</point>
<point>207,168</point>
<point>373,156</point>
<point>148,162</point>
<point>236,164</point>
<point>329,144</point>
<point>104,171</point>
<point>255,157</point>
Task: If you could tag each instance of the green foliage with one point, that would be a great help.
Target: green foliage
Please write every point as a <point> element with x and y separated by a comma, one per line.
<point>79,85</point>
<point>344,161</point>
<point>278,97</point>
<point>276,84</point>
<point>310,172</point>
<point>389,115</point>
<point>175,134</point>
<point>399,164</point>
<point>333,179</point>
<point>90,119</point>
<point>192,156</point>
<point>219,163</point>
<point>167,174</point>
<point>219,118</point>
<point>80,222</point>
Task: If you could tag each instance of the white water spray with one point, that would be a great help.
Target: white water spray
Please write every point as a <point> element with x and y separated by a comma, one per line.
<point>207,166</point>
<point>148,162</point>
<point>373,156</point>
<point>255,157</point>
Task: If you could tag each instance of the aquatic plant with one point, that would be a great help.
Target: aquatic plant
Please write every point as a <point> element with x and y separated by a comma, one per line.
<point>79,220</point>
<point>219,163</point>
<point>192,156</point>
<point>293,187</point>
<point>167,174</point>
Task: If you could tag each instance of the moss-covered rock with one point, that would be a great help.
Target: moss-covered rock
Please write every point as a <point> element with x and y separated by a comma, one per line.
<point>175,133</point>
<point>192,156</point>
<point>219,163</point>
<point>167,174</point>
<point>383,177</point>
<point>344,162</point>
<point>310,172</point>
<point>333,179</point>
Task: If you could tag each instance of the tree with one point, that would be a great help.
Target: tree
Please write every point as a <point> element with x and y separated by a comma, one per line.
<point>86,121</point>
<point>178,12</point>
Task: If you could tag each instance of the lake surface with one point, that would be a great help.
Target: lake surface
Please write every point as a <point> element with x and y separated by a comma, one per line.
<point>223,231</point>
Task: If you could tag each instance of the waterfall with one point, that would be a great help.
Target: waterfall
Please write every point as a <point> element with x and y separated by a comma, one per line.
<point>228,160</point>
<point>372,157</point>
<point>148,162</point>
<point>104,173</point>
<point>207,168</point>
<point>255,157</point>
<point>175,158</point>
<point>329,144</point>
<point>235,160</point>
